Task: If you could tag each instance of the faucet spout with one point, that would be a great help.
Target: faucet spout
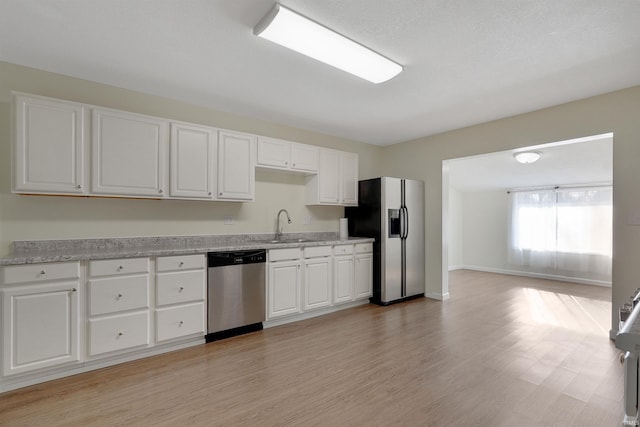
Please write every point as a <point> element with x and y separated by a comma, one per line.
<point>278,226</point>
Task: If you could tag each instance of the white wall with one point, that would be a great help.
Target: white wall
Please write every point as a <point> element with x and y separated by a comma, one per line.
<point>615,112</point>
<point>485,231</point>
<point>456,230</point>
<point>38,217</point>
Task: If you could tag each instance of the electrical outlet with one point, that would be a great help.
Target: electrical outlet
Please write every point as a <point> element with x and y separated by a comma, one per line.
<point>228,220</point>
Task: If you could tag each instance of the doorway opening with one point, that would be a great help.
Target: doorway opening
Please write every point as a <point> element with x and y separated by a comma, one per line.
<point>475,205</point>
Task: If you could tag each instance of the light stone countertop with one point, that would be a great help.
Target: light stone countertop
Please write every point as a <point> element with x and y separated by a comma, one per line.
<point>43,251</point>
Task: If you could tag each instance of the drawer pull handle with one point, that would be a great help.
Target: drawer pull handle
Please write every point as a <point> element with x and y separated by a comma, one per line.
<point>181,289</point>
<point>43,272</point>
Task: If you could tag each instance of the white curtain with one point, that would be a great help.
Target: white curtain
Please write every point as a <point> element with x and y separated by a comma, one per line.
<point>566,232</point>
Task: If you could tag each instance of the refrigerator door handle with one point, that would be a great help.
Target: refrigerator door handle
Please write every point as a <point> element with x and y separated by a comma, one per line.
<point>406,222</point>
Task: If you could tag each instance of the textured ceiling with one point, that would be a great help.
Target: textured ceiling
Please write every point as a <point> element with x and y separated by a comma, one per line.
<point>465,62</point>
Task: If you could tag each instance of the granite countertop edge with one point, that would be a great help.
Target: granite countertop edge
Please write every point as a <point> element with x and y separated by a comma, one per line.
<point>35,256</point>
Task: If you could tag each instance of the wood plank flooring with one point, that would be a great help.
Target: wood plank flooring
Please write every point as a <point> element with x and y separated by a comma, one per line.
<point>503,351</point>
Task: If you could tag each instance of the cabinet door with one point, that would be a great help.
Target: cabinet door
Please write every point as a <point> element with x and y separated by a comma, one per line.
<point>284,288</point>
<point>343,281</point>
<point>128,154</point>
<point>317,283</point>
<point>193,161</point>
<point>363,283</point>
<point>304,158</point>
<point>236,166</point>
<point>328,177</point>
<point>40,326</point>
<point>274,152</point>
<point>349,179</point>
<point>49,146</point>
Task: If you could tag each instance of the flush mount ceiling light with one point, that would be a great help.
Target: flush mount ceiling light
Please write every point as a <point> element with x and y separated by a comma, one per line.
<point>528,156</point>
<point>285,27</point>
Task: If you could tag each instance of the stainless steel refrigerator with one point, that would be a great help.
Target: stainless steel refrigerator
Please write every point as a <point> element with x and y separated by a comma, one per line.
<point>391,210</point>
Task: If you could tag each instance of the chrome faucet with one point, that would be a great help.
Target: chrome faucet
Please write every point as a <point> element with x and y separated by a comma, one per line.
<point>278,226</point>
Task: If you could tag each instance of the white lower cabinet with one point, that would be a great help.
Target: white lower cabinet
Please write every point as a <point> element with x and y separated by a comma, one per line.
<point>343,280</point>
<point>118,304</point>
<point>180,297</point>
<point>40,312</point>
<point>317,280</point>
<point>317,277</point>
<point>363,274</point>
<point>284,288</point>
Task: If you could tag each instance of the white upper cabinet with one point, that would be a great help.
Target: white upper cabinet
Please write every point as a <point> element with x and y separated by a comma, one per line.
<point>348,179</point>
<point>128,154</point>
<point>287,155</point>
<point>49,138</point>
<point>193,161</point>
<point>236,166</point>
<point>337,180</point>
<point>304,157</point>
<point>274,152</point>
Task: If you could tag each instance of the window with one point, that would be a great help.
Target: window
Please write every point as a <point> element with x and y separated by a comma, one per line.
<point>565,232</point>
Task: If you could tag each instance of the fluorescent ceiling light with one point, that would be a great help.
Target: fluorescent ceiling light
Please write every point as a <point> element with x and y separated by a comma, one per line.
<point>528,156</point>
<point>285,27</point>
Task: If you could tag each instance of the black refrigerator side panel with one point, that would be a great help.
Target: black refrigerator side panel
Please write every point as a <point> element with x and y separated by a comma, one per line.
<point>365,220</point>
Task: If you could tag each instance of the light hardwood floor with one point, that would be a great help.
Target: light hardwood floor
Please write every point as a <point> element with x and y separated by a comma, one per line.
<point>503,351</point>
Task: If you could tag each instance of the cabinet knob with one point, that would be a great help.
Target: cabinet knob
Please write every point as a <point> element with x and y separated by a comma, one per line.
<point>286,163</point>
<point>160,191</point>
<point>74,290</point>
<point>79,186</point>
<point>209,192</point>
<point>120,267</point>
<point>181,263</point>
<point>119,296</point>
<point>181,288</point>
<point>180,323</point>
<point>43,272</point>
<point>120,334</point>
<point>221,194</point>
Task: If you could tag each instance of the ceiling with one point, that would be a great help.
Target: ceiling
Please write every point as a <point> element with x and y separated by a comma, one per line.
<point>575,162</point>
<point>466,62</point>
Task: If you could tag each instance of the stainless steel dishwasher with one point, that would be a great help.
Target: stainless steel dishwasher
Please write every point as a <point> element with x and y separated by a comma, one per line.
<point>236,293</point>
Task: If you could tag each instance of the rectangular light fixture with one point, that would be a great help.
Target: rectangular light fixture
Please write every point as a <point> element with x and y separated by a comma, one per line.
<point>285,27</point>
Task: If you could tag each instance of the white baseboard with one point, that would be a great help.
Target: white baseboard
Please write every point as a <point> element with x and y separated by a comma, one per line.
<point>539,276</point>
<point>456,267</point>
<point>438,296</point>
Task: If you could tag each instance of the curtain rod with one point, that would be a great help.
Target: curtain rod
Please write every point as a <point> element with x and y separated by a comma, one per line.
<point>558,187</point>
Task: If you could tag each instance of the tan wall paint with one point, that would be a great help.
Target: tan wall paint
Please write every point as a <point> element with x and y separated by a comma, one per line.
<point>38,217</point>
<point>617,112</point>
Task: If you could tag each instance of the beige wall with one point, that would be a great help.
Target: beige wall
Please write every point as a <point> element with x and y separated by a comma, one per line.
<point>617,112</point>
<point>37,217</point>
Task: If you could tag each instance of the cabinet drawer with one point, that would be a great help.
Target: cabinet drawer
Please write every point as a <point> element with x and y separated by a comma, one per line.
<point>118,332</point>
<point>343,250</point>
<point>179,287</point>
<point>362,248</point>
<point>284,254</point>
<point>175,322</point>
<point>119,266</point>
<point>317,251</point>
<point>40,272</point>
<point>184,262</point>
<point>115,294</point>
